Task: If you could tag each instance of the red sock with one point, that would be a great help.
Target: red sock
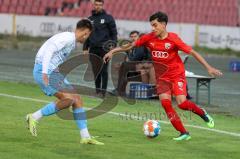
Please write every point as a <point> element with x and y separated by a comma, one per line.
<point>188,105</point>
<point>173,116</point>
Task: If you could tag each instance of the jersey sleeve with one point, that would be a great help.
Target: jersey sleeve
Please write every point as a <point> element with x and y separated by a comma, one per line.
<point>142,41</point>
<point>54,46</point>
<point>62,42</point>
<point>181,45</point>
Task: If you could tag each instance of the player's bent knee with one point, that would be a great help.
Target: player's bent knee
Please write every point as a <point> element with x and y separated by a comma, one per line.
<point>64,103</point>
<point>179,102</point>
<point>183,105</point>
<point>77,101</point>
<point>180,99</point>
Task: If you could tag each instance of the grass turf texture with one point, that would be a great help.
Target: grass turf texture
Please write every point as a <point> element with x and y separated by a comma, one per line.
<point>122,136</point>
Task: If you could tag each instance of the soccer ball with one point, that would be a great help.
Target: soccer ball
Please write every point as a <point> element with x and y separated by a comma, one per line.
<point>151,128</point>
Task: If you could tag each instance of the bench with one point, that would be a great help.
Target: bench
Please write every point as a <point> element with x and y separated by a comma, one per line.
<point>202,83</point>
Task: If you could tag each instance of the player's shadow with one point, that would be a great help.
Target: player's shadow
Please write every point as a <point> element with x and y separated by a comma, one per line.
<point>108,102</point>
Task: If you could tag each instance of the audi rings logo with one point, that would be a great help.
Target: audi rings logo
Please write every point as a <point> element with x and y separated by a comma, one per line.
<point>160,54</point>
<point>47,27</point>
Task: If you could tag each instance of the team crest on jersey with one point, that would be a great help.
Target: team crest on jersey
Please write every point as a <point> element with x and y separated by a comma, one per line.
<point>167,46</point>
<point>180,85</point>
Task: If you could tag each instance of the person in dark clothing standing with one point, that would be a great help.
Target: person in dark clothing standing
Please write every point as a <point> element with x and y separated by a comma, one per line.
<point>99,43</point>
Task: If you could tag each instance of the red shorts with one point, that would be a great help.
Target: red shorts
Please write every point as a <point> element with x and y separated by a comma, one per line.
<point>176,86</point>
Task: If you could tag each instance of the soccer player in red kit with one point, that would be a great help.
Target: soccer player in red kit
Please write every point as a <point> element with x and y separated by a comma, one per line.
<point>170,72</point>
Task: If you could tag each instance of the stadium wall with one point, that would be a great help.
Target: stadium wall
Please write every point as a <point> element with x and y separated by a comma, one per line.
<point>192,34</point>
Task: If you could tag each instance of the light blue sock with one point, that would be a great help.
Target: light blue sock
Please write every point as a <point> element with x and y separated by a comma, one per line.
<point>49,109</point>
<point>80,118</point>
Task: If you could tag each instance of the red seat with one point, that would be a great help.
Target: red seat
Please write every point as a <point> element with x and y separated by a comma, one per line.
<point>12,9</point>
<point>190,11</point>
<point>71,1</point>
<point>41,10</point>
<point>34,10</point>
<point>89,8</point>
<point>19,10</point>
<point>22,2</point>
<point>85,9</point>
<point>121,15</point>
<point>58,3</point>
<point>6,2</point>
<point>72,13</point>
<point>29,2</point>
<point>50,4</point>
<point>65,11</point>
<point>14,2</point>
<point>37,3</point>
<point>4,8</point>
<point>27,10</point>
<point>46,3</point>
<point>79,12</point>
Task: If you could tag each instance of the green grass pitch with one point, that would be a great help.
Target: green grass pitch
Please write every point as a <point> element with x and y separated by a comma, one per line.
<point>122,136</point>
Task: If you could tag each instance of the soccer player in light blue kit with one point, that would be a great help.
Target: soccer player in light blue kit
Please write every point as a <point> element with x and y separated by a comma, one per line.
<point>53,53</point>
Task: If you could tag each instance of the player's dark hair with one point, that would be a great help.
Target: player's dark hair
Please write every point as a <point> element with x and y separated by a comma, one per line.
<point>84,23</point>
<point>160,16</point>
<point>134,32</point>
<point>102,1</point>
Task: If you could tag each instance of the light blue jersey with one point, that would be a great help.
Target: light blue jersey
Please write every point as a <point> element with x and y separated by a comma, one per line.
<point>53,52</point>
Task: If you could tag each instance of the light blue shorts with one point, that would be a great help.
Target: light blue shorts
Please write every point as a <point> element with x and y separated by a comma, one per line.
<point>57,82</point>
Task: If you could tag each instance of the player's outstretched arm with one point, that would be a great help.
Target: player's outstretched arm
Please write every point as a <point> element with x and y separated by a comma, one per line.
<point>211,70</point>
<point>116,50</point>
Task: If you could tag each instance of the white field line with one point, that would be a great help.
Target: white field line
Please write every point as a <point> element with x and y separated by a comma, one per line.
<point>124,115</point>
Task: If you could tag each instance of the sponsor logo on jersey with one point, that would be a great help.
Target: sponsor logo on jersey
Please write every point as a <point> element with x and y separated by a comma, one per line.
<point>160,54</point>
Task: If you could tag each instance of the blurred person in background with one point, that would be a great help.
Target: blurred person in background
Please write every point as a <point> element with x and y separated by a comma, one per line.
<point>105,31</point>
<point>137,60</point>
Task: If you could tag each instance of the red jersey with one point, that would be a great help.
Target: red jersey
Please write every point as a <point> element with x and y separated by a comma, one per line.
<point>165,52</point>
